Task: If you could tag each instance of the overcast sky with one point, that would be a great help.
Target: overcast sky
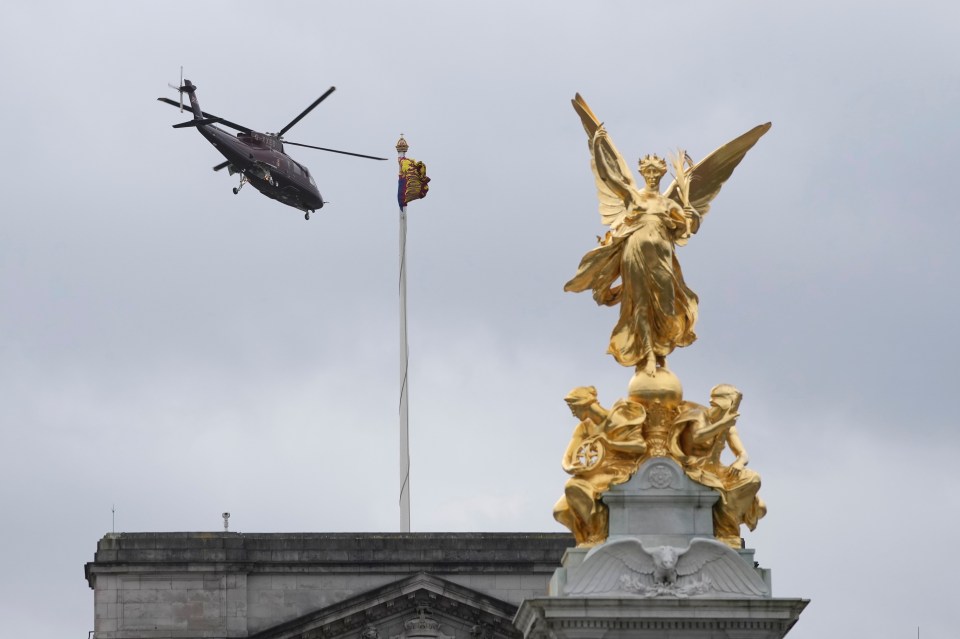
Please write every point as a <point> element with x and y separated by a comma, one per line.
<point>178,351</point>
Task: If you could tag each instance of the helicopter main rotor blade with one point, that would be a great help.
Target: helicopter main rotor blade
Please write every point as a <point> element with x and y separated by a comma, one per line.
<point>227,123</point>
<point>320,148</point>
<point>306,111</point>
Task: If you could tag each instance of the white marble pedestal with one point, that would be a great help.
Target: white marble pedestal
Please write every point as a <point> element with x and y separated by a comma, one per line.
<point>661,573</point>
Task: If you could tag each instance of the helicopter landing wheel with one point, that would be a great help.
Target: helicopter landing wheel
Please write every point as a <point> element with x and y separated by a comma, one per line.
<point>235,190</point>
<point>306,215</point>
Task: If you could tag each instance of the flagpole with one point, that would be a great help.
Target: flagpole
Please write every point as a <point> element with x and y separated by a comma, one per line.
<point>404,361</point>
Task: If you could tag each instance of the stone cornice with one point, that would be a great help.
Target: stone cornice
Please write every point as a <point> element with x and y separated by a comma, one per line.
<point>555,616</point>
<point>382,553</point>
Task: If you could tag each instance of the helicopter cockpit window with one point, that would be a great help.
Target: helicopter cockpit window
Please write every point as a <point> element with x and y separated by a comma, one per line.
<point>302,171</point>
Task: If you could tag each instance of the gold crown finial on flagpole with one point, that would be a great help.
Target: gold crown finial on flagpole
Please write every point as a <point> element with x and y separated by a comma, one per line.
<point>402,145</point>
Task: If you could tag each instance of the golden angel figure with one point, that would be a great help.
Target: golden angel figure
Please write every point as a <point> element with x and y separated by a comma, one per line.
<point>657,309</point>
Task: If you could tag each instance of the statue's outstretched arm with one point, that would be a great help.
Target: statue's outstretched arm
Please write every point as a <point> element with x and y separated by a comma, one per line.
<point>635,445</point>
<point>707,430</point>
<point>736,447</point>
<point>569,463</point>
<point>616,188</point>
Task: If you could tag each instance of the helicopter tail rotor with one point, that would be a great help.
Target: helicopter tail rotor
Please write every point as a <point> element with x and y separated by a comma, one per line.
<point>180,88</point>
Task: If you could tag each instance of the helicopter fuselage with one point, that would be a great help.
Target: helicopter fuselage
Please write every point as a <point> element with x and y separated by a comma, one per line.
<point>261,159</point>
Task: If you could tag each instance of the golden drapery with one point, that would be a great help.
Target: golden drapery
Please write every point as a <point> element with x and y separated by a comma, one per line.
<point>657,309</point>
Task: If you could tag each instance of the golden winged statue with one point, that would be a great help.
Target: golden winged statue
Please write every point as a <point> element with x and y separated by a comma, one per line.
<point>657,309</point>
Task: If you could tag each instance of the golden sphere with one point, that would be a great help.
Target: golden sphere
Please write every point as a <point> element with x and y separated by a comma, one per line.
<point>663,387</point>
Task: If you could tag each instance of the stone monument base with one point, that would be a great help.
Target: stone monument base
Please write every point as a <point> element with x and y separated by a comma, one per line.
<point>622,618</point>
<point>660,573</point>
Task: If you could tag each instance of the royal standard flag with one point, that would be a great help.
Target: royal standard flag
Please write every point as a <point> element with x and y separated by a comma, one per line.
<point>413,181</point>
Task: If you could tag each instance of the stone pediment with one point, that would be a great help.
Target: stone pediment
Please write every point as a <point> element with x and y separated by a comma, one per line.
<point>421,606</point>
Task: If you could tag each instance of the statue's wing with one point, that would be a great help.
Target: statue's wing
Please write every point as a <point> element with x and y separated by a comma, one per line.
<point>726,571</point>
<point>709,174</point>
<point>616,188</point>
<point>603,567</point>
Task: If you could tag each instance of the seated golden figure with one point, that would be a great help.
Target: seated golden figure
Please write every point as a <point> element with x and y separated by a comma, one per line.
<point>605,450</point>
<point>700,437</point>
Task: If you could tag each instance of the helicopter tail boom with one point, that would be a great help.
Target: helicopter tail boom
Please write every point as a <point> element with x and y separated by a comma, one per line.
<point>191,90</point>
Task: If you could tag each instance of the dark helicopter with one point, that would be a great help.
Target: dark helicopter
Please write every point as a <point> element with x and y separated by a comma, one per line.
<point>259,158</point>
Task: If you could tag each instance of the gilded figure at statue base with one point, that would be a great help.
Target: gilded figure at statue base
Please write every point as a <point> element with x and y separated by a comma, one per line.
<point>608,446</point>
<point>605,450</point>
<point>701,434</point>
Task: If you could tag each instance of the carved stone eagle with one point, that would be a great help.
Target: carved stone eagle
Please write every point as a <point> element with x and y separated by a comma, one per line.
<point>704,568</point>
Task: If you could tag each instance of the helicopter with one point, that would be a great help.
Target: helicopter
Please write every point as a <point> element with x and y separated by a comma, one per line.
<point>260,158</point>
